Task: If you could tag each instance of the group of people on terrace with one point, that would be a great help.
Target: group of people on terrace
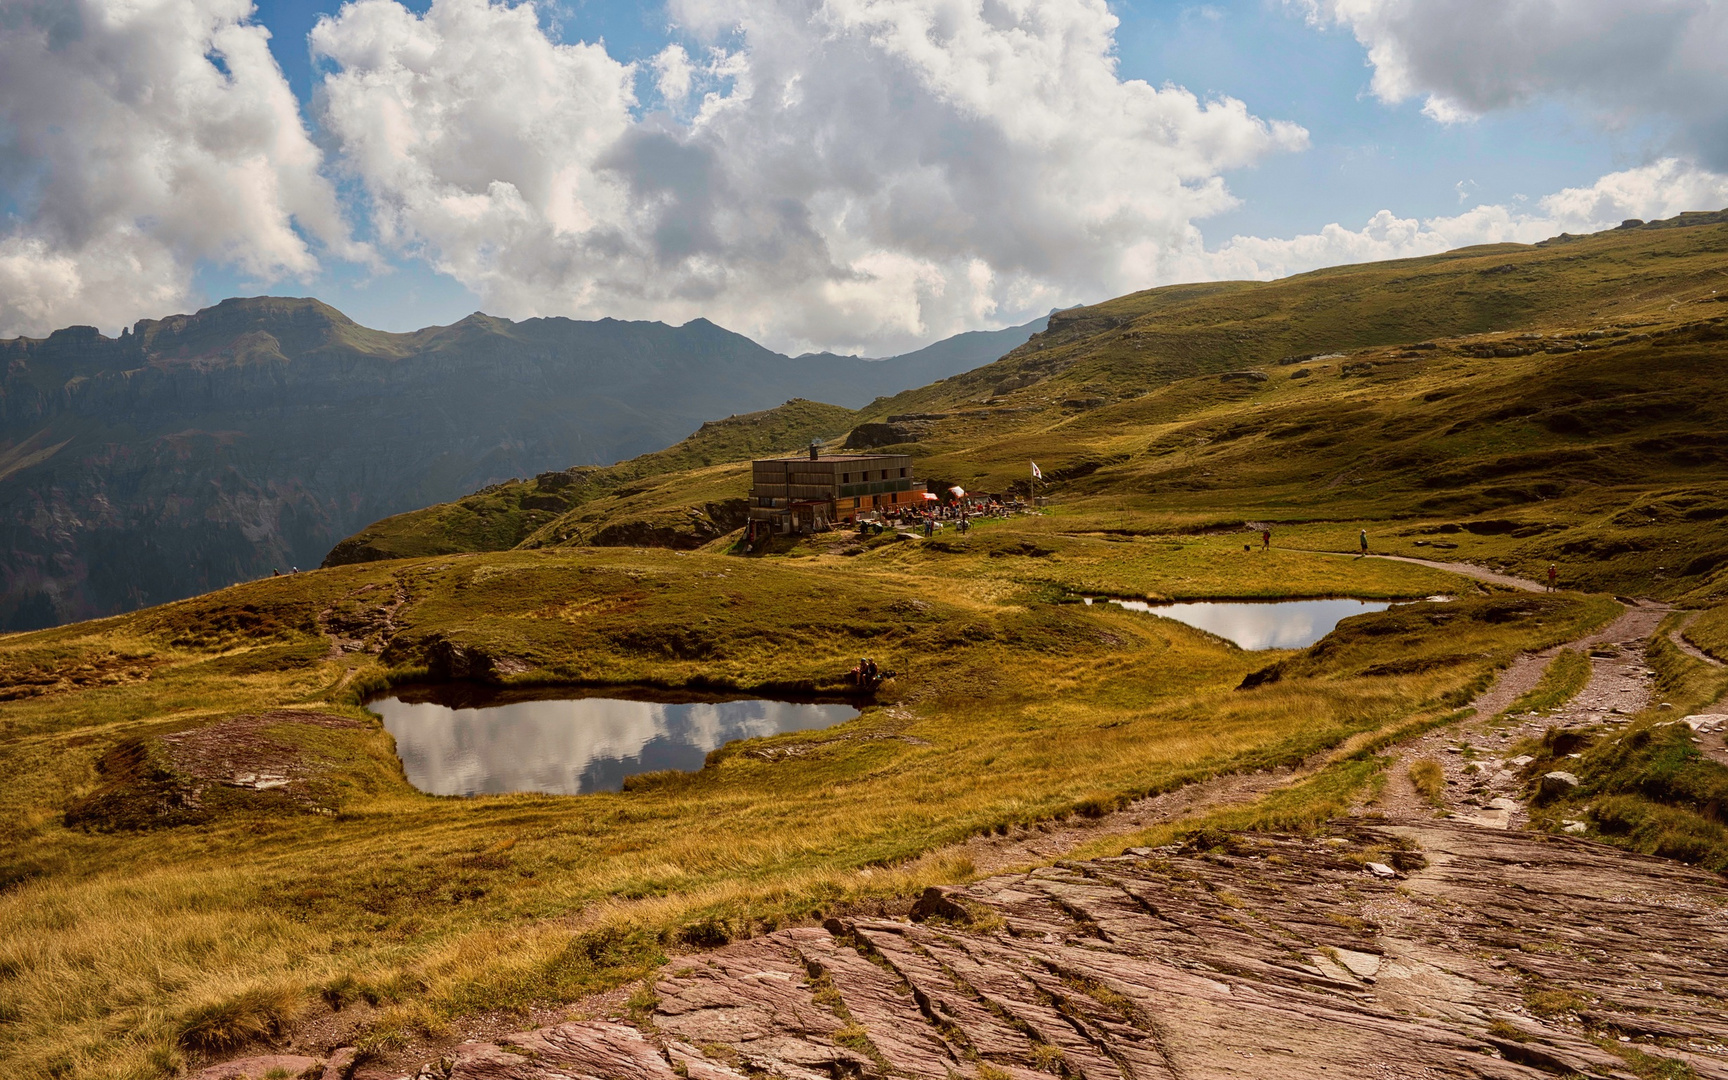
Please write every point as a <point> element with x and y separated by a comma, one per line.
<point>959,512</point>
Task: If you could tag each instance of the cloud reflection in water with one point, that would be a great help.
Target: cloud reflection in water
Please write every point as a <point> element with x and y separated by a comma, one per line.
<point>575,746</point>
<point>1289,624</point>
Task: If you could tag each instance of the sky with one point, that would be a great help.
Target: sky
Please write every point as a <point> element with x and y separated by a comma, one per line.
<point>856,175</point>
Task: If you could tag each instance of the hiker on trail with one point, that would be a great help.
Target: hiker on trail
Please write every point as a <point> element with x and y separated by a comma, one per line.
<point>1553,573</point>
<point>1265,539</point>
<point>1364,539</point>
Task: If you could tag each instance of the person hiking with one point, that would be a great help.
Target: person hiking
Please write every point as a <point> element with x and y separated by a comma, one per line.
<point>1553,573</point>
<point>1364,540</point>
<point>1265,539</point>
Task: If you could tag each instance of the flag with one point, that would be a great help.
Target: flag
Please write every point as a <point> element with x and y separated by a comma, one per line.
<point>1037,473</point>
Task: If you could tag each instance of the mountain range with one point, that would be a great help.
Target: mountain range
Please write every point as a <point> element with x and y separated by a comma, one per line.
<point>199,450</point>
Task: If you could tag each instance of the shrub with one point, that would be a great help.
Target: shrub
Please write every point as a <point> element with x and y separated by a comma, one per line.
<point>1430,781</point>
<point>259,1013</point>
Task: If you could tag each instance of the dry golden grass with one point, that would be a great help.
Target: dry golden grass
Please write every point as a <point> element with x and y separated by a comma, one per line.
<point>1430,781</point>
<point>123,952</point>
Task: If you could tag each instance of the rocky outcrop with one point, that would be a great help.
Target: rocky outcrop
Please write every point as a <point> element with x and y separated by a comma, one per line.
<point>1437,950</point>
<point>446,660</point>
<point>687,531</point>
<point>188,777</point>
<point>871,436</point>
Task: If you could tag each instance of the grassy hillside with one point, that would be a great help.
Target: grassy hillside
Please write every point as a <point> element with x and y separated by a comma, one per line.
<point>155,911</point>
<point>408,910</point>
<point>1520,405</point>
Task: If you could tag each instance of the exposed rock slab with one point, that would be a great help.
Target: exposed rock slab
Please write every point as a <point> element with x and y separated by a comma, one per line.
<point>1261,956</point>
<point>260,1068</point>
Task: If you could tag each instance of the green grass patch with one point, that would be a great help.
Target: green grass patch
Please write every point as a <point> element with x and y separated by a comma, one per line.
<point>1566,675</point>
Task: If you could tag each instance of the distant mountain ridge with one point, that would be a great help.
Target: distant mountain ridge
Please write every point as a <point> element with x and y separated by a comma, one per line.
<point>198,450</point>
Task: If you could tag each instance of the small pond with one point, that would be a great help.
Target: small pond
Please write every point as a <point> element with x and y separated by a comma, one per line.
<point>460,741</point>
<point>1279,624</point>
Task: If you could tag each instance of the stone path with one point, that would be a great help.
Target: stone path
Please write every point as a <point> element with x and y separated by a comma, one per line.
<point>1430,950</point>
<point>1481,783</point>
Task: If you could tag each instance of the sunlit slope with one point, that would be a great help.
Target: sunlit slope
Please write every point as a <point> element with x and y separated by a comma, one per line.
<point>1523,404</point>
<point>1588,430</point>
<point>1127,346</point>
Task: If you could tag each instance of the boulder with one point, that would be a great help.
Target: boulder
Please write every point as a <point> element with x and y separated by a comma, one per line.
<point>1243,376</point>
<point>935,904</point>
<point>1555,784</point>
<point>340,1064</point>
<point>1301,373</point>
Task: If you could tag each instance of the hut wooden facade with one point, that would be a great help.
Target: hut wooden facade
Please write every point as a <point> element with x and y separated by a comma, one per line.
<point>810,493</point>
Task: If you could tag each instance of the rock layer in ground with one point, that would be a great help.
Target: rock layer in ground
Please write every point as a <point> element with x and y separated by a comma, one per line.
<point>1488,954</point>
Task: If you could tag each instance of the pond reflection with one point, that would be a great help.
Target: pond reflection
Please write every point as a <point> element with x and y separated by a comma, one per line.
<point>1283,624</point>
<point>573,746</point>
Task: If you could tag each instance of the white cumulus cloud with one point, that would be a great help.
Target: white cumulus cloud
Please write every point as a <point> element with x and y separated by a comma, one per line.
<point>1622,61</point>
<point>852,173</point>
<point>1659,190</point>
<point>138,137</point>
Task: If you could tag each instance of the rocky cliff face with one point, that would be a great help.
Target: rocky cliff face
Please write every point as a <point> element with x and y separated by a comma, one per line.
<point>199,450</point>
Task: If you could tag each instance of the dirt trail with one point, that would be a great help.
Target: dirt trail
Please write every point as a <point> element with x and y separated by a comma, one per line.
<point>1463,569</point>
<point>1041,843</point>
<point>1481,784</point>
<point>1678,637</point>
<point>1046,841</point>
